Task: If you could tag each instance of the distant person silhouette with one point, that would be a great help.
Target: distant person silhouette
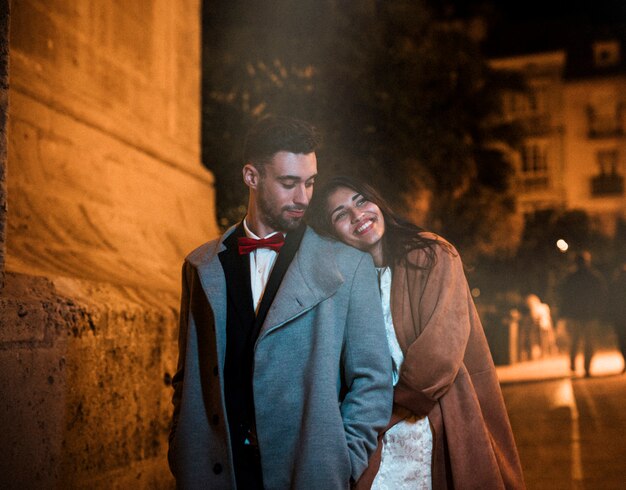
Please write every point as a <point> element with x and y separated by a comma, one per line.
<point>582,300</point>
<point>541,331</point>
<point>616,309</point>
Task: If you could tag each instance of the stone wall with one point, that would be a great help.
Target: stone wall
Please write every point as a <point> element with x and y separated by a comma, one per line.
<point>106,194</point>
<point>4,107</point>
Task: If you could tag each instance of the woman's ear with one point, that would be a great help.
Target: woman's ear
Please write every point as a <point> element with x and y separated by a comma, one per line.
<point>251,176</point>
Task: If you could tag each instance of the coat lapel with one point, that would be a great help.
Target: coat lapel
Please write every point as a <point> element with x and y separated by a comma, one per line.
<point>283,261</point>
<point>211,275</point>
<point>312,277</point>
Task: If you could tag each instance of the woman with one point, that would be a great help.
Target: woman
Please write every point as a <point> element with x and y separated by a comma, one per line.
<point>449,416</point>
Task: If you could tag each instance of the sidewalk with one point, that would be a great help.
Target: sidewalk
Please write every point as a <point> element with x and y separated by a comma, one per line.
<point>604,363</point>
<point>569,432</point>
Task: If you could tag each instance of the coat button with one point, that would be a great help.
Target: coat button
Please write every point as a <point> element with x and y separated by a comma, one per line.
<point>217,468</point>
<point>215,419</point>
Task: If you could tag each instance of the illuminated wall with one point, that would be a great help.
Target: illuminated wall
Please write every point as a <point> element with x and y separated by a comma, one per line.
<point>106,194</point>
<point>4,99</point>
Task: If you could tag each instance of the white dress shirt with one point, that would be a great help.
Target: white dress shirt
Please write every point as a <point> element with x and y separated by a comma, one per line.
<point>261,264</point>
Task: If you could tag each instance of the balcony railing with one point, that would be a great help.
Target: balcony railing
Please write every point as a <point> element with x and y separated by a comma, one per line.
<point>537,124</point>
<point>605,131</point>
<point>607,185</point>
<point>605,126</point>
<point>533,183</point>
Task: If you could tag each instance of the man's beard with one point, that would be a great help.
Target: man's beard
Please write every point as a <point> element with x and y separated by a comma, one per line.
<point>277,221</point>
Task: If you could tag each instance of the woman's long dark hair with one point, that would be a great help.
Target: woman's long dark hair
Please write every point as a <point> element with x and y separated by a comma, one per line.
<point>401,235</point>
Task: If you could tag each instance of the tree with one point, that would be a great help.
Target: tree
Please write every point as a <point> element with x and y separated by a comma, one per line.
<point>257,59</point>
<point>404,100</point>
<point>538,264</point>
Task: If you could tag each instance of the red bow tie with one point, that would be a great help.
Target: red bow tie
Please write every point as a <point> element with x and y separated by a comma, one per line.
<point>247,245</point>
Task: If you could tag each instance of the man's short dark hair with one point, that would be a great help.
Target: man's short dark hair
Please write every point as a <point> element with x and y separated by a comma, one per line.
<point>273,134</point>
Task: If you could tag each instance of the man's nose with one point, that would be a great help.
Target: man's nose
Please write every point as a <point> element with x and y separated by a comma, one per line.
<point>301,196</point>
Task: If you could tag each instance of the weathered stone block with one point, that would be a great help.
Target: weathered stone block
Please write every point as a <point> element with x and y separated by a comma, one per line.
<point>106,194</point>
<point>131,71</point>
<point>22,321</point>
<point>4,104</point>
<point>93,398</point>
<point>84,204</point>
<point>26,310</point>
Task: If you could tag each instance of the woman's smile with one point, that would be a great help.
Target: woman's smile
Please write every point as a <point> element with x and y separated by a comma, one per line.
<point>365,226</point>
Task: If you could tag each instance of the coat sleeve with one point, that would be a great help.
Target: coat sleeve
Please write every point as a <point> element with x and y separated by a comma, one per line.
<point>367,404</point>
<point>177,380</point>
<point>433,360</point>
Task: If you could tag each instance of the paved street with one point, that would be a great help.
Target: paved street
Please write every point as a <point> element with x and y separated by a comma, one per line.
<point>571,432</point>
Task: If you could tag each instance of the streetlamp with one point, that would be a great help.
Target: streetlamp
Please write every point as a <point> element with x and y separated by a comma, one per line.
<point>562,245</point>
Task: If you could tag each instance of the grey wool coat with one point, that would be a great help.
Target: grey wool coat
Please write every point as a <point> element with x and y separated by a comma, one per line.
<point>322,372</point>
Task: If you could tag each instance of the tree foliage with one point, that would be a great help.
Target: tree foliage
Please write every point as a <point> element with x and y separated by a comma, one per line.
<point>403,99</point>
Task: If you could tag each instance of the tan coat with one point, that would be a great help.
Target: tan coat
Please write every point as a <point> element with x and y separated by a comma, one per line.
<point>448,375</point>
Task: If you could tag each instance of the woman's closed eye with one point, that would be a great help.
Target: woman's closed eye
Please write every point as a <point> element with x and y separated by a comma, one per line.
<point>339,216</point>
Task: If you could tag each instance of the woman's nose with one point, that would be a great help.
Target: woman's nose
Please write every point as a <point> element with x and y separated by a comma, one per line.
<point>355,215</point>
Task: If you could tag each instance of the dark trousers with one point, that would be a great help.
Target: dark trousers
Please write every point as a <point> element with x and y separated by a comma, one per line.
<point>248,473</point>
<point>582,331</point>
<point>620,330</point>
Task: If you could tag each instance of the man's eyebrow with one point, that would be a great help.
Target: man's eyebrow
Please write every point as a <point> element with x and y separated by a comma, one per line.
<point>356,196</point>
<point>297,178</point>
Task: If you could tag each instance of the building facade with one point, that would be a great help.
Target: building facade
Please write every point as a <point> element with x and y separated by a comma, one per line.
<point>573,149</point>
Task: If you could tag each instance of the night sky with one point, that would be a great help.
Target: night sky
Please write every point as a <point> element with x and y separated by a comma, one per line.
<point>534,25</point>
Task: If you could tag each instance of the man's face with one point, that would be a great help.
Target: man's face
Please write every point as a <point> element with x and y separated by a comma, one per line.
<point>283,190</point>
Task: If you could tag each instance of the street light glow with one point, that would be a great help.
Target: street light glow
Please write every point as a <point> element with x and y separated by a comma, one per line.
<point>562,245</point>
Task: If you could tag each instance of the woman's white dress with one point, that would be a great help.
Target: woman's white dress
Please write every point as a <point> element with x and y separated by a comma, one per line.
<point>408,445</point>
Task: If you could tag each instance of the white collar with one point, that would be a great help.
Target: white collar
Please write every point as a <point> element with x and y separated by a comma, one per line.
<point>250,234</point>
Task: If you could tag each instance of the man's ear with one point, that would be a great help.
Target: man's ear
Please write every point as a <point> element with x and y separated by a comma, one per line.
<point>251,176</point>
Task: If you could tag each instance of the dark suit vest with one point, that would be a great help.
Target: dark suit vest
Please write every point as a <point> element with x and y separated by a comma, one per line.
<point>242,327</point>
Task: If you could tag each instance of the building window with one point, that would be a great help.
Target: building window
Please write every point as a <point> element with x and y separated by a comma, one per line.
<point>534,159</point>
<point>534,167</point>
<point>606,53</point>
<point>605,119</point>
<point>530,103</point>
<point>537,100</point>
<point>609,181</point>
<point>607,162</point>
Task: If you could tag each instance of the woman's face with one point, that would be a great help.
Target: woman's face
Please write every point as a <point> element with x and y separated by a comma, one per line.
<point>357,221</point>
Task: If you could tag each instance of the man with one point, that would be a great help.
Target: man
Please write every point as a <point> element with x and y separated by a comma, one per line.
<point>284,374</point>
<point>616,309</point>
<point>583,297</point>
